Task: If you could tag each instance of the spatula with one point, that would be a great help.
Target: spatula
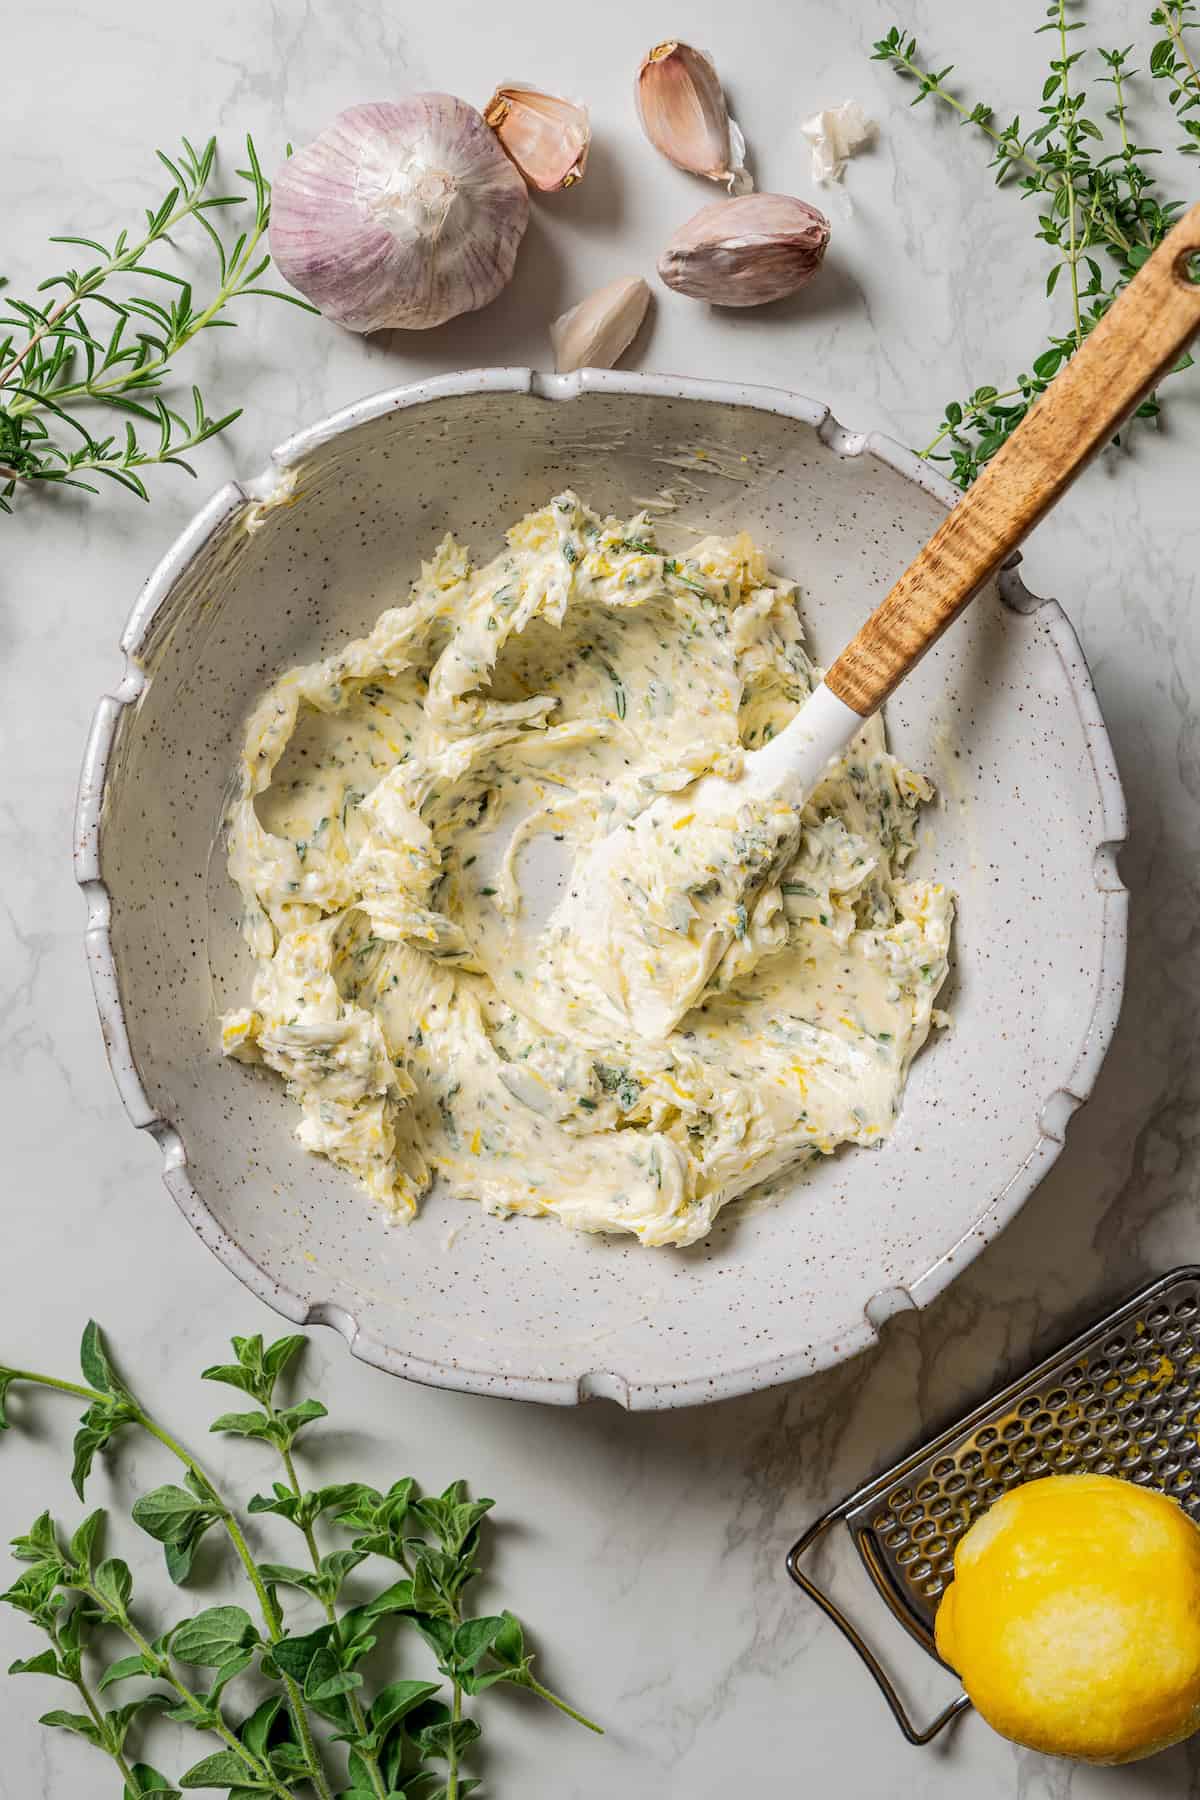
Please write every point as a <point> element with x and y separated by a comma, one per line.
<point>1137,342</point>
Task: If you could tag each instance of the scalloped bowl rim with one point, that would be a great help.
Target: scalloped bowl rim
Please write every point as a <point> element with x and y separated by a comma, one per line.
<point>272,486</point>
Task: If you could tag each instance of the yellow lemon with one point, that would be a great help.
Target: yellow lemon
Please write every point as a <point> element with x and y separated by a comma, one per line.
<point>1074,1618</point>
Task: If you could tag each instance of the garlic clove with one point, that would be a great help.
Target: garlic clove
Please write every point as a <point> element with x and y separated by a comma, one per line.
<point>681,104</point>
<point>547,138</point>
<point>746,251</point>
<point>596,333</point>
<point>401,213</point>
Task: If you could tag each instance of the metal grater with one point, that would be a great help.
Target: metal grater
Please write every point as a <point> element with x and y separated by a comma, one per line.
<point>1123,1399</point>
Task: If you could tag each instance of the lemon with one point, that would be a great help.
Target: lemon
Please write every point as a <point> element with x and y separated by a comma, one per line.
<point>1074,1618</point>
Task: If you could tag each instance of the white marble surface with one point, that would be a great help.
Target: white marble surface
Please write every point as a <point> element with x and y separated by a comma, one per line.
<point>647,1551</point>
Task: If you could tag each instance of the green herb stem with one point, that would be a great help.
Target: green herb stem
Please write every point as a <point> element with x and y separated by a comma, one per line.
<point>932,84</point>
<point>969,413</point>
<point>452,1747</point>
<point>89,1700</point>
<point>80,1684</point>
<point>125,1625</point>
<point>270,1612</point>
<point>148,372</point>
<point>544,1693</point>
<point>378,1785</point>
<point>1091,198</point>
<point>237,1538</point>
<point>1070,128</point>
<point>1012,154</point>
<point>60,1387</point>
<point>94,280</point>
<point>274,1753</point>
<point>105,351</point>
<point>1172,24</point>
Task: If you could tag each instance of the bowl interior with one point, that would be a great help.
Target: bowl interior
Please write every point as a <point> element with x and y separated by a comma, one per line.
<point>997,716</point>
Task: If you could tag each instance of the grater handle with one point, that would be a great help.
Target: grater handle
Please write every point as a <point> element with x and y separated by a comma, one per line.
<point>853,1636</point>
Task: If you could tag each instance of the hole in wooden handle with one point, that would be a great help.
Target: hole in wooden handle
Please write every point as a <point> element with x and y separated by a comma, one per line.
<point>1187,268</point>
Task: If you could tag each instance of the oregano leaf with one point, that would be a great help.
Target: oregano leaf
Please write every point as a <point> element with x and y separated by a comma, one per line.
<point>281,1501</point>
<point>473,1638</point>
<point>279,1354</point>
<point>437,1740</point>
<point>88,1439</point>
<point>167,1513</point>
<point>78,1723</point>
<point>39,1543</point>
<point>223,1770</point>
<point>122,1670</point>
<point>287,1576</point>
<point>227,1670</point>
<point>82,1545</point>
<point>396,1701</point>
<point>255,1730</point>
<point>114,1583</point>
<point>98,1371</point>
<point>292,1419</point>
<point>395,1599</point>
<point>293,1655</point>
<point>178,1556</point>
<point>120,1718</point>
<point>213,1636</point>
<point>326,1679</point>
<point>508,1645</point>
<point>44,1663</point>
<point>289,1759</point>
<point>233,1375</point>
<point>145,1781</point>
<point>248,1425</point>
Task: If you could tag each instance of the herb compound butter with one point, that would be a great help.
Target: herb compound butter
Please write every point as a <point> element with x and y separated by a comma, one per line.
<point>388,798</point>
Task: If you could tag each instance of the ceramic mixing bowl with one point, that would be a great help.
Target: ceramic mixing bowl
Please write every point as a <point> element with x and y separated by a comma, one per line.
<point>1001,715</point>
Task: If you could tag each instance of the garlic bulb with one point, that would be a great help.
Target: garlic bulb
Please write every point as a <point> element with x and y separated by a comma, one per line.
<point>681,104</point>
<point>546,137</point>
<point>596,333</point>
<point>403,213</point>
<point>747,251</point>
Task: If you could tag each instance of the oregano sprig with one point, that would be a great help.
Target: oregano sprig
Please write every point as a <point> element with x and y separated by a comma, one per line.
<point>1094,188</point>
<point>103,339</point>
<point>325,1728</point>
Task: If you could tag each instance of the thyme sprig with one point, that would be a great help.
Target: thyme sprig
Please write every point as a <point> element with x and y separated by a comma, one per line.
<point>1097,206</point>
<point>92,347</point>
<point>401,1742</point>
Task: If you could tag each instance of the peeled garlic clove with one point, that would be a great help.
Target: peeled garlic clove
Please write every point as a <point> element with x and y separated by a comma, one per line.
<point>546,137</point>
<point>400,214</point>
<point>681,104</point>
<point>746,251</point>
<point>596,333</point>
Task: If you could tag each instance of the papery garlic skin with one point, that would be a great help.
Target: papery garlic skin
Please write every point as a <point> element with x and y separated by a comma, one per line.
<point>596,333</point>
<point>401,213</point>
<point>547,138</point>
<point>681,105</point>
<point>746,251</point>
<point>836,134</point>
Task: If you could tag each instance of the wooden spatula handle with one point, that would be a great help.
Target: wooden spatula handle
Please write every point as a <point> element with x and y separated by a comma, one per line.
<point>1136,343</point>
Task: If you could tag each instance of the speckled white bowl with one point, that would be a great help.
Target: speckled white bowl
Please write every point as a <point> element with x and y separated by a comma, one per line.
<point>1002,716</point>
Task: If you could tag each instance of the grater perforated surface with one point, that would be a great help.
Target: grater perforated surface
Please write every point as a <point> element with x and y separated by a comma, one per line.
<point>1123,1399</point>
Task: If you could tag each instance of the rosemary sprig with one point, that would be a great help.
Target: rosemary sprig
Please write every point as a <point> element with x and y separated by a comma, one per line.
<point>98,348</point>
<point>1097,207</point>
